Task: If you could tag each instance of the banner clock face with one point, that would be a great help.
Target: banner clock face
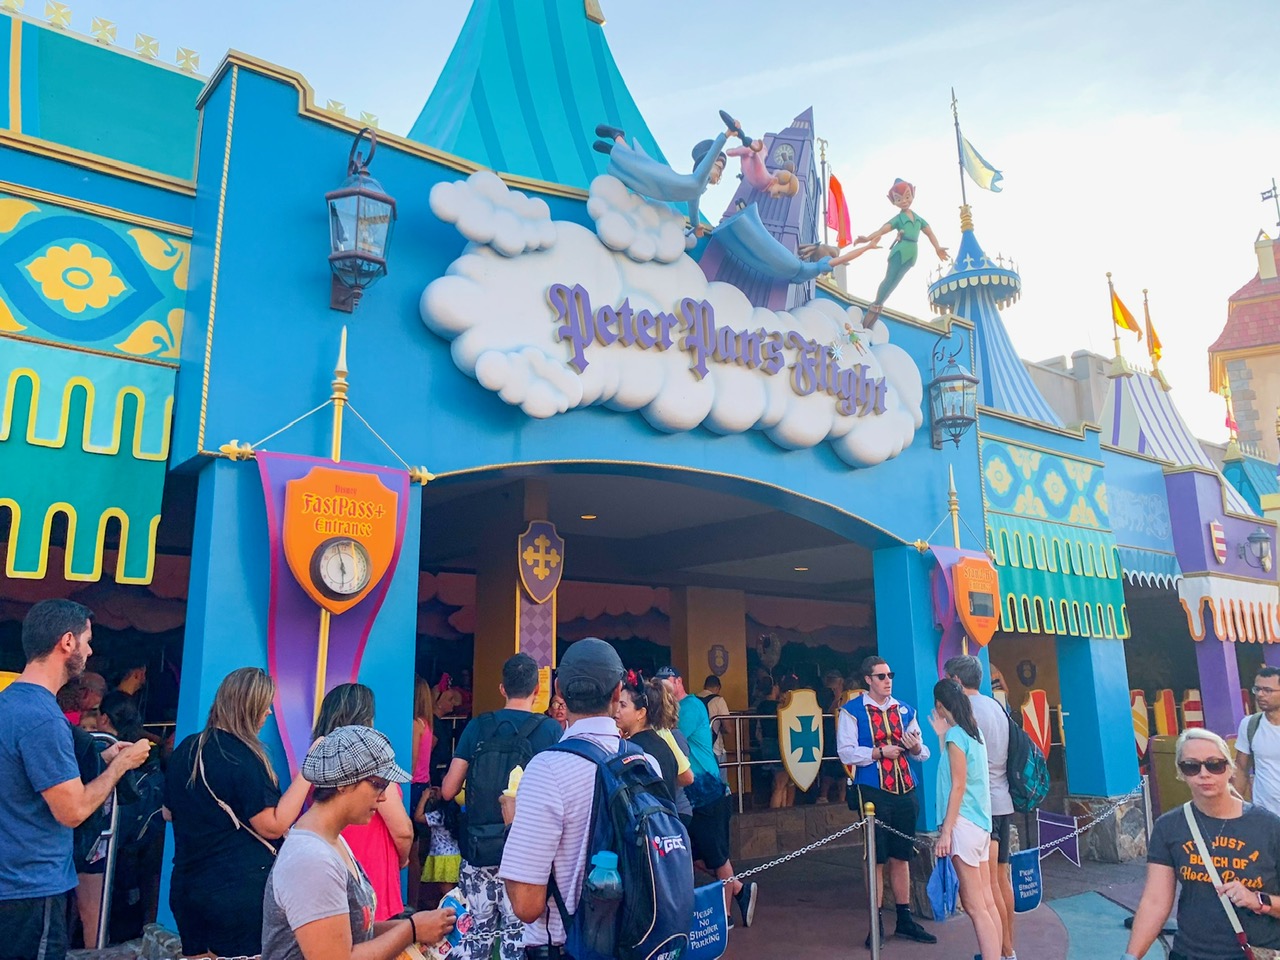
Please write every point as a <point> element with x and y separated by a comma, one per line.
<point>340,568</point>
<point>339,533</point>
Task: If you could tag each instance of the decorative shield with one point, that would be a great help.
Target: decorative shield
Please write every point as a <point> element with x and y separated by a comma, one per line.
<point>800,736</point>
<point>1035,720</point>
<point>541,560</point>
<point>1192,710</point>
<point>977,585</point>
<point>1141,725</point>
<point>339,534</point>
<point>718,659</point>
<point>1218,537</point>
<point>1166,714</point>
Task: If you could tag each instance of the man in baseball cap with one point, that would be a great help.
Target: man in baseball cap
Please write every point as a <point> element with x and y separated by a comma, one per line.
<point>552,824</point>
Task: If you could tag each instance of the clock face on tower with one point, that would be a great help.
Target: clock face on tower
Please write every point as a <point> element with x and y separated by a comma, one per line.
<point>340,568</point>
<point>784,153</point>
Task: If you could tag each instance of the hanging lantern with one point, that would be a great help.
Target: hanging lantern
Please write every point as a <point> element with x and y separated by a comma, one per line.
<point>953,397</point>
<point>361,218</point>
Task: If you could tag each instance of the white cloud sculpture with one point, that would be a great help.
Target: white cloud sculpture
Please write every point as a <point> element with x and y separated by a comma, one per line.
<point>628,223</point>
<point>504,316</point>
<point>485,211</point>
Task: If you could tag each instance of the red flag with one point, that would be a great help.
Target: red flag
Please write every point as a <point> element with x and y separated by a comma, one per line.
<point>838,212</point>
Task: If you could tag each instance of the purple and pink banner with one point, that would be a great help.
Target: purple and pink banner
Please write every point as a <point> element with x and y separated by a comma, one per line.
<point>293,618</point>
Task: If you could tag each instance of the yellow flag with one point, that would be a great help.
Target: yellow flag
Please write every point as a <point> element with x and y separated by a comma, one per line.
<point>1121,316</point>
<point>1154,346</point>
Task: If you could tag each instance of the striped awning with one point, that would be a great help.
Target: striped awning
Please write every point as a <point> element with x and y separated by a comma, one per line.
<point>1057,578</point>
<point>1243,611</point>
<point>1149,568</point>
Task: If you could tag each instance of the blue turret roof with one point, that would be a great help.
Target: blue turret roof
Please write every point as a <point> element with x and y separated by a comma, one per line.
<point>524,88</point>
<point>976,287</point>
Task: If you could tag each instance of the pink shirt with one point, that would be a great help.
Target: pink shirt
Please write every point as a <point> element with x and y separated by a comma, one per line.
<point>375,851</point>
<point>422,766</point>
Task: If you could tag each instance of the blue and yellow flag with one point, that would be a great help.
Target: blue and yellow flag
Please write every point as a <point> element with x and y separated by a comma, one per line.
<point>980,172</point>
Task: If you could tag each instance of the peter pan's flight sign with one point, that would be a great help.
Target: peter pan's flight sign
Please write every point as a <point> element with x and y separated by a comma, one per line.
<point>814,368</point>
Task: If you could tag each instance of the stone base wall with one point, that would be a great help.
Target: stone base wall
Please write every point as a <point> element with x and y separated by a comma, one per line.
<point>1118,839</point>
<point>766,834</point>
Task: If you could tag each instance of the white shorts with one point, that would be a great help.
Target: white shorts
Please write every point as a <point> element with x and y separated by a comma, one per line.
<point>970,842</point>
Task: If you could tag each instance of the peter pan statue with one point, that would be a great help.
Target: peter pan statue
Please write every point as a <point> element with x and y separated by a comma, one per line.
<point>905,249</point>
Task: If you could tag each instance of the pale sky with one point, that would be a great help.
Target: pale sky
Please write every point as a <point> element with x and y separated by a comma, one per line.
<point>1135,136</point>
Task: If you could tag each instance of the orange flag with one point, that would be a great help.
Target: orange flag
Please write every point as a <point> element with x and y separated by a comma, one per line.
<point>838,212</point>
<point>1121,316</point>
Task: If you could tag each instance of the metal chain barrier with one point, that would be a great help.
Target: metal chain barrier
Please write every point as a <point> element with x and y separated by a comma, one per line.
<point>798,853</point>
<point>1110,811</point>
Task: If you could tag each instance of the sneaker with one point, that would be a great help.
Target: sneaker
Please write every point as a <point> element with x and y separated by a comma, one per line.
<point>732,925</point>
<point>746,898</point>
<point>911,930</point>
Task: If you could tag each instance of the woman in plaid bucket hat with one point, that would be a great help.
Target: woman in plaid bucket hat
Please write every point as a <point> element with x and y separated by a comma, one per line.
<point>318,898</point>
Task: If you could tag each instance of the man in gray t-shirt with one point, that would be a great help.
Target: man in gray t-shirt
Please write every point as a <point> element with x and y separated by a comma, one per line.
<point>993,723</point>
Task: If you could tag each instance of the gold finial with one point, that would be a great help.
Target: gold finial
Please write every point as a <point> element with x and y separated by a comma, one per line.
<point>822,149</point>
<point>334,106</point>
<point>421,475</point>
<point>368,120</point>
<point>58,14</point>
<point>339,397</point>
<point>1233,451</point>
<point>593,11</point>
<point>235,450</point>
<point>921,545</point>
<point>188,59</point>
<point>966,219</point>
<point>953,506</point>
<point>14,5</point>
<point>145,46</point>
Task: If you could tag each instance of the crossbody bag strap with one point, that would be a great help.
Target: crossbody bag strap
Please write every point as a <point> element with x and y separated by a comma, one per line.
<point>1214,878</point>
<point>227,807</point>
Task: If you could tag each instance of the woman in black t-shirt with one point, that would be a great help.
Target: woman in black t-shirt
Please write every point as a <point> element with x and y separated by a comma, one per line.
<point>227,811</point>
<point>638,699</point>
<point>1243,841</point>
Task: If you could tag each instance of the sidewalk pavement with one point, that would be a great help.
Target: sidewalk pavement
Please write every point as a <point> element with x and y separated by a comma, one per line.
<point>816,906</point>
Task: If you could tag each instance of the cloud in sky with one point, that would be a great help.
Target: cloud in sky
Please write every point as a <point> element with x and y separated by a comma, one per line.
<point>496,312</point>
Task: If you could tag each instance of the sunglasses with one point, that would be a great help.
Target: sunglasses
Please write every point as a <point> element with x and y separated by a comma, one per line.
<point>882,676</point>
<point>378,783</point>
<point>1190,768</point>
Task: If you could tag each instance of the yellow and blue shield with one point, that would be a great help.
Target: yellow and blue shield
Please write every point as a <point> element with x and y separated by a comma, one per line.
<point>800,736</point>
<point>541,560</point>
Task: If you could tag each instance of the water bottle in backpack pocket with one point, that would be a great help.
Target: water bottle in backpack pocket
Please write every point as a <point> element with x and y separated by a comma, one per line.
<point>601,898</point>
<point>648,913</point>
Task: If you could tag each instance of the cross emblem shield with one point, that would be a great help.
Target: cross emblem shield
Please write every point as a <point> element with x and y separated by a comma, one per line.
<point>800,736</point>
<point>540,559</point>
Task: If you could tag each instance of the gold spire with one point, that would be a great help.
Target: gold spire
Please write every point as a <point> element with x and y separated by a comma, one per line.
<point>966,218</point>
<point>953,506</point>
<point>339,397</point>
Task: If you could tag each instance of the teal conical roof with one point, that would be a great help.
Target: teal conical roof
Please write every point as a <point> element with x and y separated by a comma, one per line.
<point>524,88</point>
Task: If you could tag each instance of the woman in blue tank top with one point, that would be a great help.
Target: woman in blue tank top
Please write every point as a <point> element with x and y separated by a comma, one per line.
<point>964,798</point>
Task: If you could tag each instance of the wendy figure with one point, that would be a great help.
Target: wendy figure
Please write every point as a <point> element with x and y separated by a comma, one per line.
<point>905,249</point>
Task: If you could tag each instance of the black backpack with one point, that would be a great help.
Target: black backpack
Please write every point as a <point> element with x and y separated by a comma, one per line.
<point>632,816</point>
<point>1027,771</point>
<point>497,753</point>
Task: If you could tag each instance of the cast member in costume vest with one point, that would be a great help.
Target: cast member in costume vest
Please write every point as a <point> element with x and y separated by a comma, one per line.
<point>876,737</point>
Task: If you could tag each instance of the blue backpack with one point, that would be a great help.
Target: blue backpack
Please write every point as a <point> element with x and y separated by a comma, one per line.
<point>632,817</point>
